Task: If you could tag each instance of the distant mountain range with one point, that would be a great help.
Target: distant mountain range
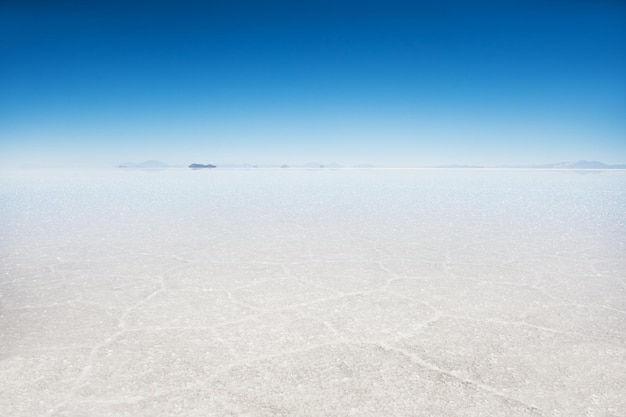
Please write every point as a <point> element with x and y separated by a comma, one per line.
<point>152,164</point>
<point>582,164</point>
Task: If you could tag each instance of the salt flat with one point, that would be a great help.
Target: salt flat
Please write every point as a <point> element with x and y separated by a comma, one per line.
<point>312,293</point>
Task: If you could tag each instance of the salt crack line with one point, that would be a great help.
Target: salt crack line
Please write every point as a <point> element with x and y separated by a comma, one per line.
<point>419,361</point>
<point>122,320</point>
<point>510,323</point>
<point>85,372</point>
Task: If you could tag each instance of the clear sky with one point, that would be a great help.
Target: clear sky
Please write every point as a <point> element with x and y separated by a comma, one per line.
<point>384,82</point>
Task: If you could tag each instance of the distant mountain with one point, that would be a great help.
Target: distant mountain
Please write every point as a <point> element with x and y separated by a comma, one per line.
<point>588,165</point>
<point>582,164</point>
<point>145,164</point>
<point>200,166</point>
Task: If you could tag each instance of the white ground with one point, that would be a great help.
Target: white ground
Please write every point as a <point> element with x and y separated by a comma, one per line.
<point>312,293</point>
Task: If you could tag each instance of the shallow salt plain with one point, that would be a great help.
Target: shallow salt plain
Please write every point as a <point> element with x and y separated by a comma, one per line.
<point>313,293</point>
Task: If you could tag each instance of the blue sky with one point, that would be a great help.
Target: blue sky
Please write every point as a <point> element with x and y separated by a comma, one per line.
<point>391,83</point>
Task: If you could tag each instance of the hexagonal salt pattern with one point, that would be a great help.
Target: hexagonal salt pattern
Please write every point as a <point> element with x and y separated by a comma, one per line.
<point>312,293</point>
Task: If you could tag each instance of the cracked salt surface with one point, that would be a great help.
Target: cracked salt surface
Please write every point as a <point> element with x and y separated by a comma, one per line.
<point>312,293</point>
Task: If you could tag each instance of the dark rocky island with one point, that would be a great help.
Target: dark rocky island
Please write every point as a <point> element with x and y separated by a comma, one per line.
<point>199,166</point>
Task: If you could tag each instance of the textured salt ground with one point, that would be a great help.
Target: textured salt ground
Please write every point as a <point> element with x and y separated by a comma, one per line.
<point>311,293</point>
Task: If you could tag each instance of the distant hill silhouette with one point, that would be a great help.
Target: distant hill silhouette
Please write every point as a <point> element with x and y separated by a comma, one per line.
<point>200,166</point>
<point>582,164</point>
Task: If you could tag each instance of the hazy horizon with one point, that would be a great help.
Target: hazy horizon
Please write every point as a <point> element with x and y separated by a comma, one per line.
<point>151,164</point>
<point>386,83</point>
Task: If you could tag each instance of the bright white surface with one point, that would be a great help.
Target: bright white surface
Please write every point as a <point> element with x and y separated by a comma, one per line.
<point>311,293</point>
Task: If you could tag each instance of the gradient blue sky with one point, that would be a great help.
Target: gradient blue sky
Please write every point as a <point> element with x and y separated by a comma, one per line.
<point>384,82</point>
